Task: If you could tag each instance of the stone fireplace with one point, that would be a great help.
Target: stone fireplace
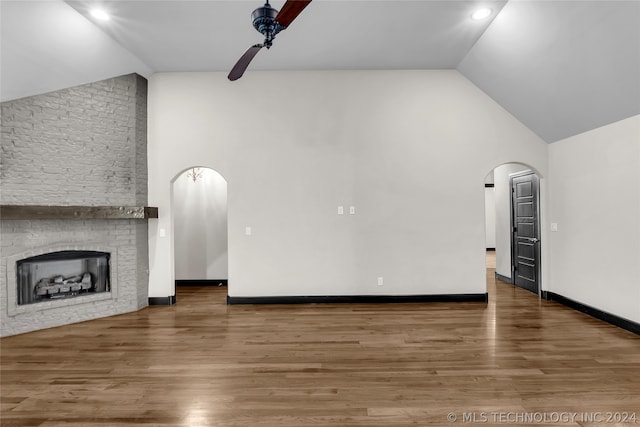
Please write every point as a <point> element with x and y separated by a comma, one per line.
<point>73,195</point>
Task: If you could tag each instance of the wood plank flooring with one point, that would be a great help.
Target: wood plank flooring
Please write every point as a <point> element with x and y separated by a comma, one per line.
<point>203,363</point>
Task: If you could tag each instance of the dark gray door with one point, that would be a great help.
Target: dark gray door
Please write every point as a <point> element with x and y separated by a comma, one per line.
<point>525,246</point>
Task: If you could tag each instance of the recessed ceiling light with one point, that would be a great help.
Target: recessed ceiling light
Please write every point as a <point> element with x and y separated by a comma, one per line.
<point>100,14</point>
<point>481,14</point>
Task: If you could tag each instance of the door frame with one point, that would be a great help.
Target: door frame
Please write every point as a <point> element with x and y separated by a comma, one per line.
<point>538,252</point>
<point>172,197</point>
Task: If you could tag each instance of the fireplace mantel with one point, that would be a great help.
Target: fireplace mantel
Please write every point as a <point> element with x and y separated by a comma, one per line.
<point>31,212</point>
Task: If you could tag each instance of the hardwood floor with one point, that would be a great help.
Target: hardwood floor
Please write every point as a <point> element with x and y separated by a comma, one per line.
<point>491,260</point>
<point>203,363</point>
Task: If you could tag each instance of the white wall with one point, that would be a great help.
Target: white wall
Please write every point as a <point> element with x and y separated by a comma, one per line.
<point>47,46</point>
<point>200,226</point>
<point>490,217</point>
<point>502,197</point>
<point>595,200</point>
<point>409,149</point>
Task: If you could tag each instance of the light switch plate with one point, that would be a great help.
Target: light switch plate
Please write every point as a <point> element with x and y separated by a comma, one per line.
<point>352,210</point>
<point>247,231</point>
<point>554,226</point>
<point>340,210</point>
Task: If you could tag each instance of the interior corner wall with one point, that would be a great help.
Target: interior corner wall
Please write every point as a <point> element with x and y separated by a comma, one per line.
<point>409,150</point>
<point>595,200</point>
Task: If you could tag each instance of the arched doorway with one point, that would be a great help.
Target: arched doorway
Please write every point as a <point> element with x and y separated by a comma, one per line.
<point>509,258</point>
<point>199,205</point>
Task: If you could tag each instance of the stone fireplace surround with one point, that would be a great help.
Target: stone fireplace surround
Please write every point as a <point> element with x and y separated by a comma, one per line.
<point>83,147</point>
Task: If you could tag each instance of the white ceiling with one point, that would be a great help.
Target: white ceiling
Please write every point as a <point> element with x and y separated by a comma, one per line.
<point>327,35</point>
<point>561,67</point>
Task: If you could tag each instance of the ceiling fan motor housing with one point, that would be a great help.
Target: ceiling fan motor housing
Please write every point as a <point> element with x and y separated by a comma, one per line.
<point>264,20</point>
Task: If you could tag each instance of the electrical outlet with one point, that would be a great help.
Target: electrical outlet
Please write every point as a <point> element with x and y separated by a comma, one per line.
<point>340,210</point>
<point>380,281</point>
<point>352,210</point>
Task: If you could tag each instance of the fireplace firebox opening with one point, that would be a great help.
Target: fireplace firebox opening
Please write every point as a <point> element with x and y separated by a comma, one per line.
<point>60,275</point>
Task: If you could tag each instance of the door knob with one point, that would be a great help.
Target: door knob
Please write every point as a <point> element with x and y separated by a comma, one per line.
<point>533,239</point>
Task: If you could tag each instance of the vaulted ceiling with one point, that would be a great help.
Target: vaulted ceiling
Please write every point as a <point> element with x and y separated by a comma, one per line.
<point>561,67</point>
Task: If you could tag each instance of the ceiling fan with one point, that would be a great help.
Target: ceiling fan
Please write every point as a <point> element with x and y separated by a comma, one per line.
<point>269,22</point>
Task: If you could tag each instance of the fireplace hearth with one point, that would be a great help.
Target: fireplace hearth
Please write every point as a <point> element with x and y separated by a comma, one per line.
<point>63,274</point>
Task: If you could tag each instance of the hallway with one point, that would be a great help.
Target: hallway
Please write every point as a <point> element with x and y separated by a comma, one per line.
<point>203,363</point>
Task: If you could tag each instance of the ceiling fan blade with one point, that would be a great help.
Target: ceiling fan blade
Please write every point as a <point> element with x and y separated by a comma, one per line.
<point>238,70</point>
<point>290,11</point>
